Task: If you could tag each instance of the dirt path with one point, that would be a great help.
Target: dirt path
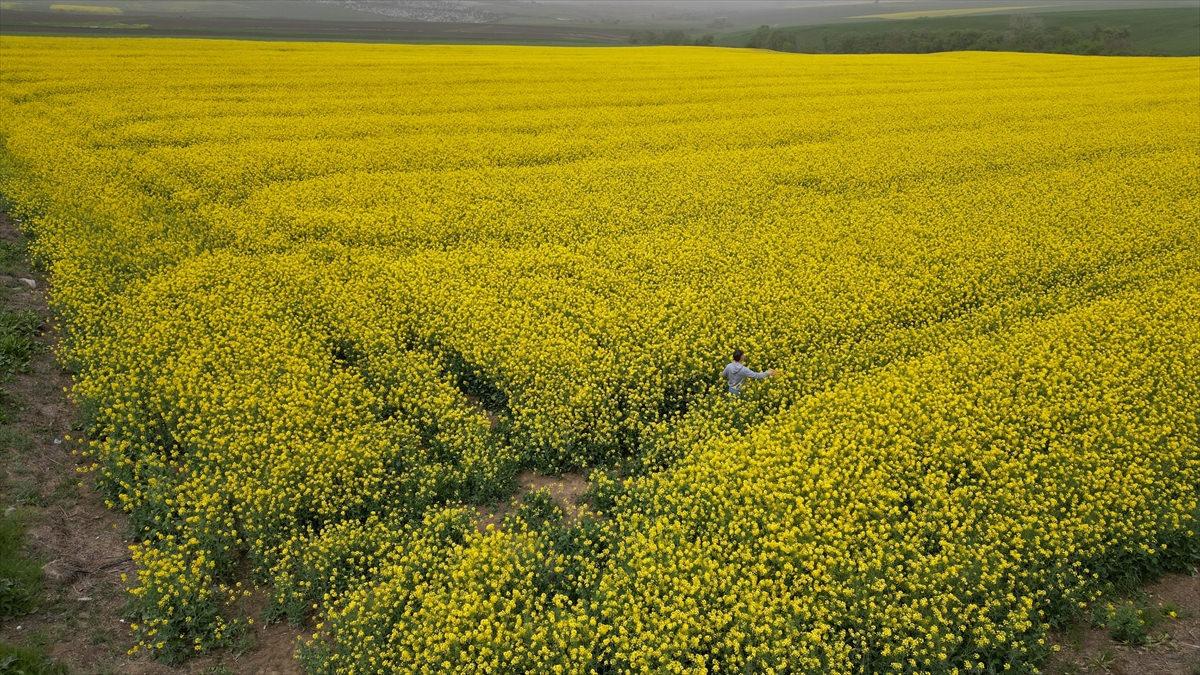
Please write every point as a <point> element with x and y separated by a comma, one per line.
<point>1174,642</point>
<point>80,541</point>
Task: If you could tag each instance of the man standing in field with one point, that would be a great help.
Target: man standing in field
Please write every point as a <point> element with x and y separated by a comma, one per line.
<point>736,373</point>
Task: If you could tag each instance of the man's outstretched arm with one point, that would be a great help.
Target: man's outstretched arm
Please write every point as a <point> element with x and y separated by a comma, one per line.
<point>755,374</point>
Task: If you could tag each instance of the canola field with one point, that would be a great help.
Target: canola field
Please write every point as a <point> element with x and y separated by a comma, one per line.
<point>323,302</point>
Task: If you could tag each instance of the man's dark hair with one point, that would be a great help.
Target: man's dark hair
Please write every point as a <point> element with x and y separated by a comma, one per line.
<point>737,355</point>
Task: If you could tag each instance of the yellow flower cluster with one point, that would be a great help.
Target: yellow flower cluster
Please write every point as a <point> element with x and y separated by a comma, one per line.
<point>318,297</point>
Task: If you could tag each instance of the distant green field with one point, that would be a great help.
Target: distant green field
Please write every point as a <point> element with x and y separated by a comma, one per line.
<point>1158,31</point>
<point>955,11</point>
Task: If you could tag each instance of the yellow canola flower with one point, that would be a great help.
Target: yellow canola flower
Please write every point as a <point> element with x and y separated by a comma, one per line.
<point>318,297</point>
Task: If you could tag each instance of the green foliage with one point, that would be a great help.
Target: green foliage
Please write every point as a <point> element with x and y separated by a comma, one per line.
<point>20,576</point>
<point>603,490</point>
<point>535,510</point>
<point>1024,35</point>
<point>12,256</point>
<point>31,660</point>
<point>670,37</point>
<point>17,344</point>
<point>1126,622</point>
<point>1170,31</point>
<point>1131,620</point>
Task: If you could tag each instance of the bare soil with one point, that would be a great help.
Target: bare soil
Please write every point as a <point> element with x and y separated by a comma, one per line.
<point>1174,647</point>
<point>566,490</point>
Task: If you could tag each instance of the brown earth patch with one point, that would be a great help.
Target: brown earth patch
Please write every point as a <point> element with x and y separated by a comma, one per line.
<point>566,489</point>
<point>1174,647</point>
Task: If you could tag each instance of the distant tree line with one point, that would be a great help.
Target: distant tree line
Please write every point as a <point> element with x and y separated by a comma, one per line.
<point>669,37</point>
<point>1024,34</point>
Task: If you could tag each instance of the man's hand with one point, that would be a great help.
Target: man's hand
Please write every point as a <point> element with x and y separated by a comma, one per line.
<point>772,372</point>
